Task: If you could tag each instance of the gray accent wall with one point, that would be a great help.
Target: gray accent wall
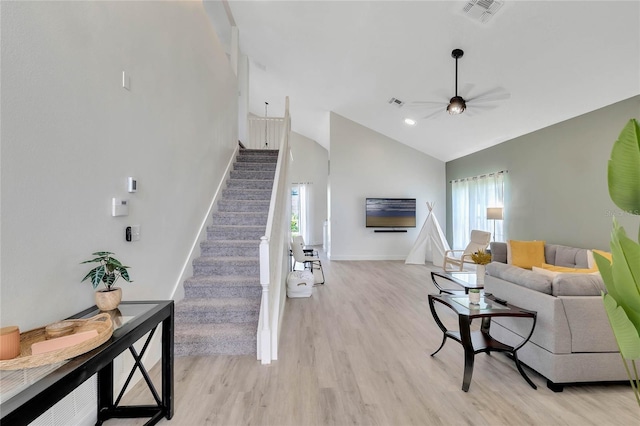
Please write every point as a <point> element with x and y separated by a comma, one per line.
<point>556,185</point>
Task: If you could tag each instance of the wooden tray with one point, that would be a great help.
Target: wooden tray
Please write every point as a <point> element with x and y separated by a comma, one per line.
<point>101,323</point>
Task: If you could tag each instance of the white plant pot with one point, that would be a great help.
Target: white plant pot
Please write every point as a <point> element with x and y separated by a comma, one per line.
<point>481,270</point>
<point>474,297</point>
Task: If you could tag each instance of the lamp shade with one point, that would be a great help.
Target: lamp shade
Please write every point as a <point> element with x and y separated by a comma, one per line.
<point>494,213</point>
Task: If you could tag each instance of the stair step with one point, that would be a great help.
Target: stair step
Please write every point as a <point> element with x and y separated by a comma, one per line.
<point>215,339</point>
<point>226,265</point>
<point>252,174</point>
<point>233,248</point>
<point>257,159</point>
<point>265,184</point>
<point>217,311</point>
<point>259,152</point>
<point>231,286</point>
<point>240,218</point>
<point>254,166</point>
<point>235,232</point>
<point>243,206</point>
<point>246,194</point>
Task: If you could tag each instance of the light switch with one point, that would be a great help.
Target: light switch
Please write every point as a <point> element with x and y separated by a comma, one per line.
<point>126,81</point>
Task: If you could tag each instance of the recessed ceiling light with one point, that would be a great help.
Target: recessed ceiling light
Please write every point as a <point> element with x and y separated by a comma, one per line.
<point>410,122</point>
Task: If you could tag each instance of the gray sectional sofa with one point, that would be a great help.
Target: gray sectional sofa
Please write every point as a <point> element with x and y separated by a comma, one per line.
<point>572,341</point>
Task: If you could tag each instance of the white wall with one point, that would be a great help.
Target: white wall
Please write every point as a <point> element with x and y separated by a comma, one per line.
<point>310,164</point>
<point>368,164</point>
<point>71,135</point>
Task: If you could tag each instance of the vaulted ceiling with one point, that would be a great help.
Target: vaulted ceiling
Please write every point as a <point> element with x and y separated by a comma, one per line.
<point>556,59</point>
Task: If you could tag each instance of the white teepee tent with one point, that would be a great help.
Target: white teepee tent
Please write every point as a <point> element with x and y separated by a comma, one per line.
<point>431,243</point>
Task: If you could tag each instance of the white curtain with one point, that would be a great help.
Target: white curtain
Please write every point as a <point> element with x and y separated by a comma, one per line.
<point>470,198</point>
<point>305,211</point>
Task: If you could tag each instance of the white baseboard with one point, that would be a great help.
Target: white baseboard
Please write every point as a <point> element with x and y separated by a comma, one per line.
<point>367,257</point>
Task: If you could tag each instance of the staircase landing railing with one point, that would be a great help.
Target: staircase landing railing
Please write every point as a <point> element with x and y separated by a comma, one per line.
<point>274,251</point>
<point>265,132</point>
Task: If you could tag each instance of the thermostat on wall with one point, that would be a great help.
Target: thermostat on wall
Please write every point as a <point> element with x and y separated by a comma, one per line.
<point>119,207</point>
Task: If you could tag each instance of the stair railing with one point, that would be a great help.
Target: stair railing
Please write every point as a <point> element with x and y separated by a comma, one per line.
<point>274,251</point>
<point>265,132</point>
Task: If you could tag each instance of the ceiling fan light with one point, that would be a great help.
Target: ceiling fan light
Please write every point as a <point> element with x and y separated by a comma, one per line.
<point>456,105</point>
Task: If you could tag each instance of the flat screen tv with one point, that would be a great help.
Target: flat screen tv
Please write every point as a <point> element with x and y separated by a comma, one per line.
<point>391,212</point>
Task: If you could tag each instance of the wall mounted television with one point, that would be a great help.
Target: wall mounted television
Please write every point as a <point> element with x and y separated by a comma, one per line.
<point>390,212</point>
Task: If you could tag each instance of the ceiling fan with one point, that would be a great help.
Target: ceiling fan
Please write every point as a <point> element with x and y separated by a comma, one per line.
<point>457,104</point>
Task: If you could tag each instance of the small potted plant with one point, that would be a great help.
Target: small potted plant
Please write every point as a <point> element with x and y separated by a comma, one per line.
<point>108,271</point>
<point>474,296</point>
<point>480,258</point>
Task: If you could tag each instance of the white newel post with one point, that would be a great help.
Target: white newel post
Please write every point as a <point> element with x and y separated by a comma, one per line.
<point>265,332</point>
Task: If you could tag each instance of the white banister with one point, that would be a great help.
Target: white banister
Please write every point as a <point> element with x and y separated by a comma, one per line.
<point>264,332</point>
<point>274,247</point>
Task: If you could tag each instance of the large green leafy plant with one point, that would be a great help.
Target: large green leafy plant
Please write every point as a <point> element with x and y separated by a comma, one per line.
<point>622,275</point>
<point>108,271</point>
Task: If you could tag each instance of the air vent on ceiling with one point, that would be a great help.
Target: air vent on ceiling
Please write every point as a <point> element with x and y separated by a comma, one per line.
<point>482,10</point>
<point>396,102</point>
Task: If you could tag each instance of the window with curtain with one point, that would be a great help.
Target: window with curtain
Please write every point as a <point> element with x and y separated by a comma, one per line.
<point>470,198</point>
<point>301,212</point>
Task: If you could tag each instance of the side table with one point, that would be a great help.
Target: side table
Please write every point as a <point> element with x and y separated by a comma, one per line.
<point>475,342</point>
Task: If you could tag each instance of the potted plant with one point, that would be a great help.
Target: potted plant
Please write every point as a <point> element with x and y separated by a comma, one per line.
<point>622,275</point>
<point>108,271</point>
<point>480,258</point>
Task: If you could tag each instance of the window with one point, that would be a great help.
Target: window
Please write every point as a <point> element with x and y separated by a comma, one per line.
<point>470,198</point>
<point>301,217</point>
<point>295,211</point>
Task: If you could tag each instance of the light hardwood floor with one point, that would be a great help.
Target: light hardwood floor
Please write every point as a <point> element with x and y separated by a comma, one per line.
<point>357,353</point>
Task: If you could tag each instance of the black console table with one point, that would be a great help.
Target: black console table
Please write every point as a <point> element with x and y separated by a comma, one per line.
<point>132,320</point>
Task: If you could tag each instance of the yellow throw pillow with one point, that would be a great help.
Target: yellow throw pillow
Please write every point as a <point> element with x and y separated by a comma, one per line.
<point>526,254</point>
<point>565,269</point>
<point>604,254</point>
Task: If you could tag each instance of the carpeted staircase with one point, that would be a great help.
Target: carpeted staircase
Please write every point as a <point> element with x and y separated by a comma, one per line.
<point>219,314</point>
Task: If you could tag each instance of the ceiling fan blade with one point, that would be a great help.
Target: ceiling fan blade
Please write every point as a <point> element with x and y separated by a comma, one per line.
<point>475,109</point>
<point>493,95</point>
<point>468,88</point>
<point>425,103</point>
<point>483,107</point>
<point>433,114</point>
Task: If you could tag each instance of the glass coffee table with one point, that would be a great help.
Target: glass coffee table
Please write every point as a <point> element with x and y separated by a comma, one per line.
<point>465,280</point>
<point>478,341</point>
